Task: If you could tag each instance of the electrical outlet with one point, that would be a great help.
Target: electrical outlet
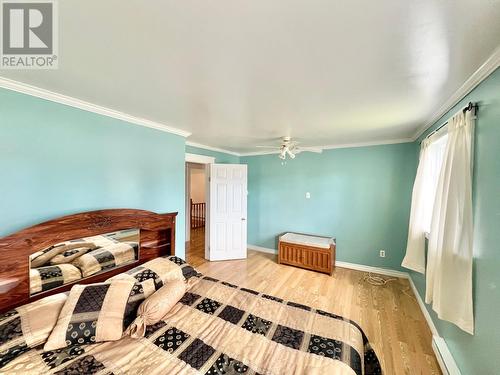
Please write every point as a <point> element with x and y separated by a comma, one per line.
<point>308,195</point>
<point>382,253</point>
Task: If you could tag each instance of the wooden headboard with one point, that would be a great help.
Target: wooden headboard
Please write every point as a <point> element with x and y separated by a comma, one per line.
<point>157,238</point>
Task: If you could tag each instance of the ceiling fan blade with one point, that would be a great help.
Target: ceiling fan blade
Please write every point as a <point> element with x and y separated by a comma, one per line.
<point>310,149</point>
<point>273,147</point>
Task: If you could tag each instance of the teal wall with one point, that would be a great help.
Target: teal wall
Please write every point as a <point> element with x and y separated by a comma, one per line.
<point>479,354</point>
<point>359,195</point>
<point>57,160</point>
<point>220,157</point>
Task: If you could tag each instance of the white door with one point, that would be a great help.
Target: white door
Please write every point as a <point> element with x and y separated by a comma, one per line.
<point>227,212</point>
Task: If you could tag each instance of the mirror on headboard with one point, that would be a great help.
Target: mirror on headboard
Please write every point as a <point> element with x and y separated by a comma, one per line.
<point>69,261</point>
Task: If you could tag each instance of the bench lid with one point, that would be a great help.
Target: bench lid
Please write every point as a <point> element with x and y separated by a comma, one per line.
<point>308,240</point>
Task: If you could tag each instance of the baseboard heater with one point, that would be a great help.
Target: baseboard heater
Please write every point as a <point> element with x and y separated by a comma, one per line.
<point>444,357</point>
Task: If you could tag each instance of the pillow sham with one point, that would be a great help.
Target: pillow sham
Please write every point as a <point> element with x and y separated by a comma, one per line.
<point>96,313</point>
<point>49,277</point>
<point>156,306</point>
<point>28,326</point>
<point>43,257</point>
<point>154,273</point>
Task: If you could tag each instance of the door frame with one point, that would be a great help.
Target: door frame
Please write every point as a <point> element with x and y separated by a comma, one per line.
<point>206,160</point>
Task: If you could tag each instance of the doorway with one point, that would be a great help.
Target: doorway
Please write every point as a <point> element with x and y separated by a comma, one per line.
<point>197,207</point>
<point>216,227</point>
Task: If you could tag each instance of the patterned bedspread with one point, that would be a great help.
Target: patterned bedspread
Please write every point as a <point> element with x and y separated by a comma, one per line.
<point>220,328</point>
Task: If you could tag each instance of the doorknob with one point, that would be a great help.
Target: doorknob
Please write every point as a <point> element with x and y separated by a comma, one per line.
<point>243,219</point>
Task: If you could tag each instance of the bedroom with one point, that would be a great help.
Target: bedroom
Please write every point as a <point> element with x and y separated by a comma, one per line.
<point>94,153</point>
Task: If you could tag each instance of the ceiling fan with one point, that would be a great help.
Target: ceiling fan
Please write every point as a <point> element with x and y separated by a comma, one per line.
<point>291,148</point>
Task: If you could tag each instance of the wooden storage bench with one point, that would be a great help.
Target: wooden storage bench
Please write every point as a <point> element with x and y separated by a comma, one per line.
<point>315,253</point>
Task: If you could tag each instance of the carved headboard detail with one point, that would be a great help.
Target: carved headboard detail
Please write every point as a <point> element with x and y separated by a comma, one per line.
<point>157,238</point>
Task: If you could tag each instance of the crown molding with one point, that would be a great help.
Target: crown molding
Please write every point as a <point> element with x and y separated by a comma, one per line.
<point>86,106</point>
<point>199,145</point>
<point>489,66</point>
<point>340,145</point>
<point>367,144</point>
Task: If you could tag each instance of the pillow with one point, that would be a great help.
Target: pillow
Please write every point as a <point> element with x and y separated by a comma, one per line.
<point>187,270</point>
<point>96,313</point>
<point>28,326</point>
<point>154,273</point>
<point>112,255</point>
<point>69,256</point>
<point>156,306</point>
<point>41,258</point>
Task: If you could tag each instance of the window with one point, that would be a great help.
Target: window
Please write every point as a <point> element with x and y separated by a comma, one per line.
<point>435,156</point>
<point>442,204</point>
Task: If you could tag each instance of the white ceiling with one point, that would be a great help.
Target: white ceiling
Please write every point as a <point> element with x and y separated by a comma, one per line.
<point>236,73</point>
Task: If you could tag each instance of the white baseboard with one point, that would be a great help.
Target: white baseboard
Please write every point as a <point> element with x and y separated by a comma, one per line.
<point>262,249</point>
<point>444,357</point>
<point>421,303</point>
<point>378,270</point>
<point>443,354</point>
<point>353,266</point>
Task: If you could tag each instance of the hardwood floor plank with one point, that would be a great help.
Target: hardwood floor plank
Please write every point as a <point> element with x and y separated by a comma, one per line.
<point>389,314</point>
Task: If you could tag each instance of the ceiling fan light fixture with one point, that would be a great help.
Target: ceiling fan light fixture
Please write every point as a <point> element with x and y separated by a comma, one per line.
<point>283,151</point>
<point>291,149</point>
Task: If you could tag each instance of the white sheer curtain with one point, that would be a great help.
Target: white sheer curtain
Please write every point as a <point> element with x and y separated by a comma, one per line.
<point>415,248</point>
<point>449,259</point>
<point>422,201</point>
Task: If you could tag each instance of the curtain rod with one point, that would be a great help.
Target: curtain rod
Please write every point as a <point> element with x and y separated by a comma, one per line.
<point>469,107</point>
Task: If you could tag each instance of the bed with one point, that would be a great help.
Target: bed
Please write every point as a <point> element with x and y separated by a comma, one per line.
<point>215,328</point>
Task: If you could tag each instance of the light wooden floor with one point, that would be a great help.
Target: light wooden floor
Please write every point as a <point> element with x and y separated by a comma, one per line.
<point>195,248</point>
<point>389,315</point>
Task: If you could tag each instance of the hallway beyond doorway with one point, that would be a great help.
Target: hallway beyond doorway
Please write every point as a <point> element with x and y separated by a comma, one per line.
<point>195,247</point>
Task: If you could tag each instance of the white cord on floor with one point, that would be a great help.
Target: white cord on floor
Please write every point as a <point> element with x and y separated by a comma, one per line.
<point>376,280</point>
<point>380,281</point>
